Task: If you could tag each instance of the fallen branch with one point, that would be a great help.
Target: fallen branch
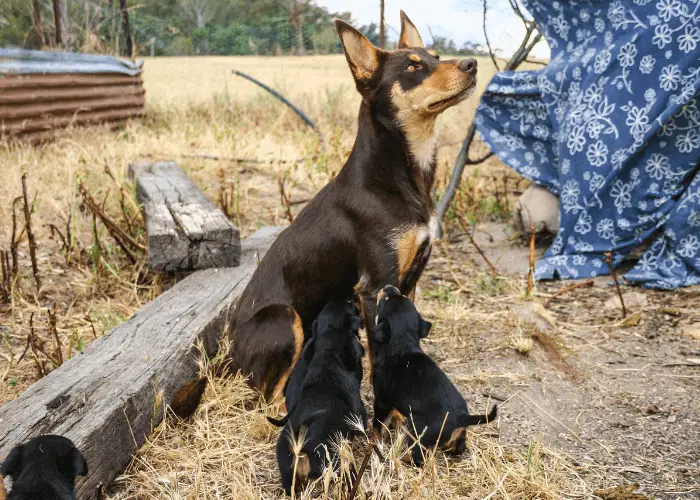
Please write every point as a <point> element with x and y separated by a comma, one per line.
<point>584,284</point>
<point>30,234</point>
<point>371,447</point>
<point>279,96</point>
<point>465,227</point>
<point>613,273</point>
<point>531,266</point>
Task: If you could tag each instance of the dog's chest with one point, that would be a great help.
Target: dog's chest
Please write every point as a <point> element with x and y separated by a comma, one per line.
<point>410,242</point>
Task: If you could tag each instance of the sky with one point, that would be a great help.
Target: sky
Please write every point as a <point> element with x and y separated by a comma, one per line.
<point>459,20</point>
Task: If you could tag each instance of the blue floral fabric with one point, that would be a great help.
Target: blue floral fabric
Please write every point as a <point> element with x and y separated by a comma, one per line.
<point>612,126</point>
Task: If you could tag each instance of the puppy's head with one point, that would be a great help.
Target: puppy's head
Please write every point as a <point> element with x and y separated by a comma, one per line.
<point>398,318</point>
<point>45,453</point>
<point>410,86</point>
<point>336,329</point>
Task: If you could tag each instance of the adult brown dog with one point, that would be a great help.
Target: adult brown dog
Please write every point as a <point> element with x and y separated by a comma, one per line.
<point>371,224</point>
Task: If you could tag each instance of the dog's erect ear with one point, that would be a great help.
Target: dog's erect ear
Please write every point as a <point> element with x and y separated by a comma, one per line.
<point>80,467</point>
<point>11,465</point>
<point>425,327</point>
<point>410,38</point>
<point>362,56</point>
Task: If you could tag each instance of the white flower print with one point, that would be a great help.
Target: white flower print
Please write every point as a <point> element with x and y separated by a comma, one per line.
<point>580,260</point>
<point>565,166</point>
<point>657,166</point>
<point>599,25</point>
<point>650,95</point>
<point>616,12</point>
<point>668,9</point>
<point>605,229</point>
<point>689,39</point>
<point>596,183</point>
<point>646,65</point>
<point>627,54</point>
<point>648,262</point>
<point>688,246</point>
<point>602,61</point>
<point>576,140</point>
<point>622,195</point>
<point>637,120</point>
<point>688,141</point>
<point>597,154</point>
<point>594,128</point>
<point>540,132</point>
<point>670,77</point>
<point>662,35</point>
<point>694,218</point>
<point>570,193</point>
<point>583,224</point>
<point>561,26</point>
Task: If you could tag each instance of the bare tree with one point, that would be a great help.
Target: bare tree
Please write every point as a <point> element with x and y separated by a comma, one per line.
<point>36,21</point>
<point>295,12</point>
<point>530,39</point>
<point>60,17</point>
<point>127,28</point>
<point>382,27</point>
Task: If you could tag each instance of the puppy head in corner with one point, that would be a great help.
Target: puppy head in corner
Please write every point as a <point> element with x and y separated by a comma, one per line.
<point>336,329</point>
<point>44,459</point>
<point>398,319</point>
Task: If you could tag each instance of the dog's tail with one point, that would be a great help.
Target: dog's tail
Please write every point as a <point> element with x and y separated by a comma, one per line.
<point>278,422</point>
<point>480,419</point>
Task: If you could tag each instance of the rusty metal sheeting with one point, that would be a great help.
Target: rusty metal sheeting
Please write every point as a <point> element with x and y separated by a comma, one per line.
<point>41,92</point>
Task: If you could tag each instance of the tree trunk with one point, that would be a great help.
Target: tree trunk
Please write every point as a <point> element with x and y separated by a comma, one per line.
<point>36,20</point>
<point>126,29</point>
<point>58,21</point>
<point>382,28</point>
<point>298,28</point>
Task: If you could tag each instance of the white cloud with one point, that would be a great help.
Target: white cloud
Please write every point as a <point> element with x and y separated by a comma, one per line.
<point>459,20</point>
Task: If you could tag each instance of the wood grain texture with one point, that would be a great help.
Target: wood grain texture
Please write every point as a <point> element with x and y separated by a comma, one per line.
<point>185,229</point>
<point>108,399</point>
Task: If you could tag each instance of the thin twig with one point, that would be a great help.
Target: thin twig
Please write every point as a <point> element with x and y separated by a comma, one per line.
<point>53,330</point>
<point>285,201</point>
<point>531,267</point>
<point>465,227</point>
<point>613,273</point>
<point>486,36</point>
<point>371,447</point>
<point>30,234</point>
<point>584,284</point>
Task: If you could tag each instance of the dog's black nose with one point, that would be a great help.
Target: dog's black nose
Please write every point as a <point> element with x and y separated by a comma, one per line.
<point>468,65</point>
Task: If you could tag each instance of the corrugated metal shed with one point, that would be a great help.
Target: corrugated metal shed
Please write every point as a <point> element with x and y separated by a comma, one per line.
<point>44,91</point>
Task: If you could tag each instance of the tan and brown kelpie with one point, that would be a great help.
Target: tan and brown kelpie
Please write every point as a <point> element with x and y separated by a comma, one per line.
<point>371,225</point>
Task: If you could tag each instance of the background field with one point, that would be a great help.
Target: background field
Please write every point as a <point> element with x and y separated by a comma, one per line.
<point>590,401</point>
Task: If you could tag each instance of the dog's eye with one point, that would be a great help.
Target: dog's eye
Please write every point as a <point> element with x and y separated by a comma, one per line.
<point>413,67</point>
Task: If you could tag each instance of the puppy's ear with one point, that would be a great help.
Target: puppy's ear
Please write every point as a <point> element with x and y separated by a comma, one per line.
<point>11,465</point>
<point>80,467</point>
<point>425,327</point>
<point>380,333</point>
<point>314,328</point>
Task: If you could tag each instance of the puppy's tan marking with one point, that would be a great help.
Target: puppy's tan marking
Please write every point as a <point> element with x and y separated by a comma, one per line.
<point>414,57</point>
<point>432,52</point>
<point>298,331</point>
<point>394,420</point>
<point>456,441</point>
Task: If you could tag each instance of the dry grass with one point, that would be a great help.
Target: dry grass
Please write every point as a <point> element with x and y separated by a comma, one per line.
<point>226,450</point>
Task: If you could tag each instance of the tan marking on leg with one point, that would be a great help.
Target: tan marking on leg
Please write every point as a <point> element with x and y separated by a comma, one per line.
<point>298,331</point>
<point>451,445</point>
<point>412,294</point>
<point>406,250</point>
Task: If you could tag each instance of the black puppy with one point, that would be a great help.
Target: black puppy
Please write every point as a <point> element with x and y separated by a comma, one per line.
<point>44,467</point>
<point>409,386</point>
<point>323,394</point>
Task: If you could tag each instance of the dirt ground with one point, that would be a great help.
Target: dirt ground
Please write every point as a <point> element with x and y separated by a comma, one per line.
<point>619,398</point>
